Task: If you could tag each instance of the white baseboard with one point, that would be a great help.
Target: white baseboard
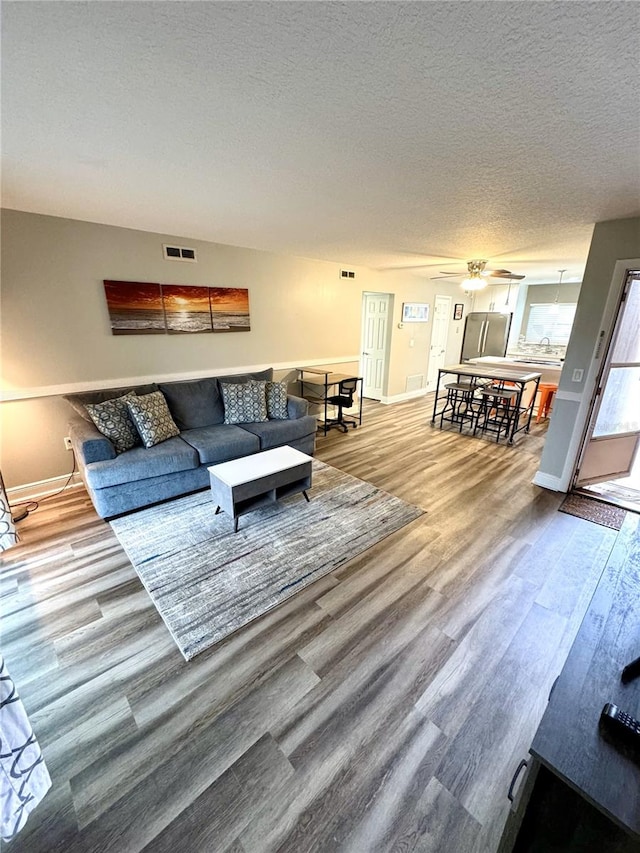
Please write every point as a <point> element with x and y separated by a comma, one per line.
<point>406,395</point>
<point>549,481</point>
<point>42,488</point>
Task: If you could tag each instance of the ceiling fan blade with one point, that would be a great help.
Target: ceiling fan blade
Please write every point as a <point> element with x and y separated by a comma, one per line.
<point>505,274</point>
<point>448,275</point>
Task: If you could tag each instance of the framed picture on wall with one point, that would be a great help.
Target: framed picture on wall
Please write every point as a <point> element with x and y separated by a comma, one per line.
<point>457,311</point>
<point>415,312</point>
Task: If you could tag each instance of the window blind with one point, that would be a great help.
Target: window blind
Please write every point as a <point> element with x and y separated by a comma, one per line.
<point>551,320</point>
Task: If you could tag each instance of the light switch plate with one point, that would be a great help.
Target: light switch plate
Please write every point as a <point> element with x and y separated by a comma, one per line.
<point>577,375</point>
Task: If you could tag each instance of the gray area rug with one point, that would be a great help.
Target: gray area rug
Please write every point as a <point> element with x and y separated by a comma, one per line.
<point>206,581</point>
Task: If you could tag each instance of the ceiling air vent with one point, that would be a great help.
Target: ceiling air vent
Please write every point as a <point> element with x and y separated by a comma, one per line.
<point>347,274</point>
<point>179,253</point>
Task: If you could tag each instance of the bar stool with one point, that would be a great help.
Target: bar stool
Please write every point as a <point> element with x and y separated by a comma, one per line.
<point>547,390</point>
<point>458,407</point>
<point>497,410</point>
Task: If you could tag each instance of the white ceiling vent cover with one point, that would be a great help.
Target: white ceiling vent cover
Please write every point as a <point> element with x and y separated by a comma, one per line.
<point>179,253</point>
<point>347,274</point>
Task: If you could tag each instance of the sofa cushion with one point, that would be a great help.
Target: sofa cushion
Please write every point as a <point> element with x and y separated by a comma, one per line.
<point>221,442</point>
<point>277,433</point>
<point>259,375</point>
<point>79,401</point>
<point>276,393</point>
<point>141,463</point>
<point>152,418</point>
<point>244,402</point>
<point>113,420</point>
<point>194,404</point>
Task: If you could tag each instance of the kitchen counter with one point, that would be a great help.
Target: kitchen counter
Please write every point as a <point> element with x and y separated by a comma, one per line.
<point>550,366</point>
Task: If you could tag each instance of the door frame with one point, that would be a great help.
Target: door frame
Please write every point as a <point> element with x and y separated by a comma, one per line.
<point>599,360</point>
<point>449,314</point>
<point>387,340</point>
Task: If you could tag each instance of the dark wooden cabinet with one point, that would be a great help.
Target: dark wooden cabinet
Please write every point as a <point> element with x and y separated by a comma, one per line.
<point>581,791</point>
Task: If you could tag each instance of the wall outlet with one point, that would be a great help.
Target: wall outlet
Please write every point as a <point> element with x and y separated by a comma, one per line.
<point>67,443</point>
<point>577,375</point>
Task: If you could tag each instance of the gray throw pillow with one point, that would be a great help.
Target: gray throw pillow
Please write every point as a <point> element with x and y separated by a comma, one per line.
<point>79,402</point>
<point>113,420</point>
<point>152,418</point>
<point>276,393</point>
<point>244,403</point>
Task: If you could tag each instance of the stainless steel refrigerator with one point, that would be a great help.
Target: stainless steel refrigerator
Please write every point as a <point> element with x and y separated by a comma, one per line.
<point>485,333</point>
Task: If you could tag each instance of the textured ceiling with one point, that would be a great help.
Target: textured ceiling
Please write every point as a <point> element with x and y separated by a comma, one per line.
<point>389,134</point>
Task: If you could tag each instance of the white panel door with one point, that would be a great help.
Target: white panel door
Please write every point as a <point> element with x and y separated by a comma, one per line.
<point>439,335</point>
<point>613,435</point>
<point>374,343</point>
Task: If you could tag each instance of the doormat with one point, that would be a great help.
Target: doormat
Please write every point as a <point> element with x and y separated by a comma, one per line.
<point>592,510</point>
<point>207,581</point>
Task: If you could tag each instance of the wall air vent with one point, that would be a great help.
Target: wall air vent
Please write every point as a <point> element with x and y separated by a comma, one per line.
<point>179,253</point>
<point>347,274</point>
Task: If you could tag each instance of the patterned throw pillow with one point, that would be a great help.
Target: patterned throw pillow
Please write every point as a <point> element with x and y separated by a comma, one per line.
<point>113,420</point>
<point>152,418</point>
<point>277,401</point>
<point>244,403</point>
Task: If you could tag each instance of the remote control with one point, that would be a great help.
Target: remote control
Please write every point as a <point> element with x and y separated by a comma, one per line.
<point>631,671</point>
<point>621,724</point>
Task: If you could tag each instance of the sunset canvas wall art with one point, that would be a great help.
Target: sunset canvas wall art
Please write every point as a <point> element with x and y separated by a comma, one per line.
<point>141,308</point>
<point>230,309</point>
<point>187,309</point>
<point>135,308</point>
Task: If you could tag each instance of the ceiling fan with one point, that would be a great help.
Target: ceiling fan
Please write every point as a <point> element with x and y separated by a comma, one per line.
<point>475,278</point>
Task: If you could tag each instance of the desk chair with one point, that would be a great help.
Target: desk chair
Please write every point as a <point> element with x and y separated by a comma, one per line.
<point>343,400</point>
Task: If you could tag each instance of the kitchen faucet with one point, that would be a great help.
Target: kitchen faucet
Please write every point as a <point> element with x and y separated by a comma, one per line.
<point>542,340</point>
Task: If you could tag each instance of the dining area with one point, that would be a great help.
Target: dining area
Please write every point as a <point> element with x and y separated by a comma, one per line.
<point>494,400</point>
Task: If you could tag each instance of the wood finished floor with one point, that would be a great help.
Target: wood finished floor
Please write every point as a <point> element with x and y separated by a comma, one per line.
<point>384,708</point>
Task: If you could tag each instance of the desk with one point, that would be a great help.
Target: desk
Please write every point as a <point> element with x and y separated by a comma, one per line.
<point>325,378</point>
<point>497,373</point>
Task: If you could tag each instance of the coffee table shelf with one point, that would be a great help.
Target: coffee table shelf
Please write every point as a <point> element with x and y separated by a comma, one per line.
<point>246,484</point>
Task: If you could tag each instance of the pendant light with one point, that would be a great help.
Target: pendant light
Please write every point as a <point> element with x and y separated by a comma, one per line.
<point>555,307</point>
<point>506,302</point>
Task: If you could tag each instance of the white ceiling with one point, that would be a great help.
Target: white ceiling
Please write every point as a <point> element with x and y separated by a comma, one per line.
<point>389,134</point>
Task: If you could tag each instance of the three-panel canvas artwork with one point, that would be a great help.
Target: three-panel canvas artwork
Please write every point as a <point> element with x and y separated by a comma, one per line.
<point>141,308</point>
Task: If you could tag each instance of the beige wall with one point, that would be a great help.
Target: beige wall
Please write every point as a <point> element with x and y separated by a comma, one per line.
<point>56,335</point>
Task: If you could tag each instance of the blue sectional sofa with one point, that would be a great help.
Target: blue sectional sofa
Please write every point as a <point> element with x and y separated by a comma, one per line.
<point>120,482</point>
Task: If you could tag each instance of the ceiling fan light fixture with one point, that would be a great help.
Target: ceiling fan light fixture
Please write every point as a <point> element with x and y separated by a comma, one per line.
<point>474,282</point>
<point>476,279</point>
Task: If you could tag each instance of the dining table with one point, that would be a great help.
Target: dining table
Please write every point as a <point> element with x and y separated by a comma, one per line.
<point>501,376</point>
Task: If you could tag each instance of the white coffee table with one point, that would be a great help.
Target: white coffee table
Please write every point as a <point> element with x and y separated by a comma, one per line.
<point>250,482</point>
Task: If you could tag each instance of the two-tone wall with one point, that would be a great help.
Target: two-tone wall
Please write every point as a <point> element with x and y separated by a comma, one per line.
<point>56,336</point>
<point>613,241</point>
